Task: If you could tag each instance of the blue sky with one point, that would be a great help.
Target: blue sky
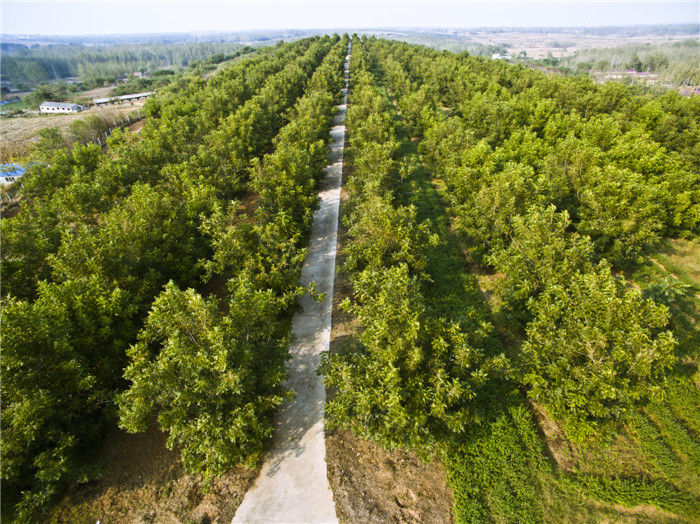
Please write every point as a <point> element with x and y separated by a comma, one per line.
<point>109,17</point>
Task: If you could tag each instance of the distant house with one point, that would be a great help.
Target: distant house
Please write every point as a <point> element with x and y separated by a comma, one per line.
<point>60,107</point>
<point>121,99</point>
<point>10,173</point>
<point>689,91</point>
<point>498,56</point>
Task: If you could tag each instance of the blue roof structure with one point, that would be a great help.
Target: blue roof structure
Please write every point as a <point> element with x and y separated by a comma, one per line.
<point>10,172</point>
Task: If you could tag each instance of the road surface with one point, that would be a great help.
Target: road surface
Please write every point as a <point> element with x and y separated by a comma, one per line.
<point>293,485</point>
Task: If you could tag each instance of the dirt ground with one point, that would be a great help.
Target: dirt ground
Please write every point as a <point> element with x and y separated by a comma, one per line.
<point>371,485</point>
<point>137,126</point>
<point>144,482</point>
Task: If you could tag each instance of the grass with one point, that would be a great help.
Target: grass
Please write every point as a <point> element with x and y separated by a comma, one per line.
<point>680,258</point>
<point>496,470</point>
<point>502,472</point>
<point>19,104</point>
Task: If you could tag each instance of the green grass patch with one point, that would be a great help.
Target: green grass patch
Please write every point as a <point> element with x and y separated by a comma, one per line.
<point>13,106</point>
<point>633,492</point>
<point>495,471</point>
<point>501,472</point>
<point>681,257</point>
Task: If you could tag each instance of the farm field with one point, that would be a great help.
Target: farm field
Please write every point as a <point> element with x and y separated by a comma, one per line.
<point>515,303</point>
<point>538,42</point>
<point>657,57</point>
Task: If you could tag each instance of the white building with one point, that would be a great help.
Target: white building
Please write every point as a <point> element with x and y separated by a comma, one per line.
<point>60,107</point>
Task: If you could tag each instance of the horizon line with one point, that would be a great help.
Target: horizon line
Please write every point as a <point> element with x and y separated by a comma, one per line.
<point>355,28</point>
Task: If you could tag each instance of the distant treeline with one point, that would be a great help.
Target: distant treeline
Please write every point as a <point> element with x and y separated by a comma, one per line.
<point>632,30</point>
<point>236,37</point>
<point>447,42</point>
<point>675,62</point>
<point>25,67</point>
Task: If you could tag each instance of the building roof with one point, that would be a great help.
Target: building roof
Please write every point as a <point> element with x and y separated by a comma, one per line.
<point>10,171</point>
<point>122,97</point>
<point>59,105</point>
<point>135,95</point>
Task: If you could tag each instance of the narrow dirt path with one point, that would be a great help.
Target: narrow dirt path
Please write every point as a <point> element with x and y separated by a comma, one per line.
<point>293,485</point>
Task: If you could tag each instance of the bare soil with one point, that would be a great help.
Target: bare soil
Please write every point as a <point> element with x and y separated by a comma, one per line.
<point>137,126</point>
<point>370,484</point>
<point>144,481</point>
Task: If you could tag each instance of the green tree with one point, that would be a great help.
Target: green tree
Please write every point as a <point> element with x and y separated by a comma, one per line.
<point>635,63</point>
<point>148,239</point>
<point>86,129</point>
<point>50,140</point>
<point>111,228</point>
<point>56,92</point>
<point>213,380</point>
<point>61,359</point>
<point>415,378</point>
<point>486,219</point>
<point>621,214</point>
<point>542,253</point>
<point>595,350</point>
<point>383,235</point>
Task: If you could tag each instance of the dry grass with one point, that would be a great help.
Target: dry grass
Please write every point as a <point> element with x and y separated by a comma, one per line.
<point>18,134</point>
<point>144,481</point>
<point>98,92</point>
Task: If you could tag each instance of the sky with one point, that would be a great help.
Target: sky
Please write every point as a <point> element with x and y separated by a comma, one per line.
<point>55,17</point>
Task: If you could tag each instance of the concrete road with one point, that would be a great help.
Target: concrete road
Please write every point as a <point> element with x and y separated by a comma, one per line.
<point>293,486</point>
